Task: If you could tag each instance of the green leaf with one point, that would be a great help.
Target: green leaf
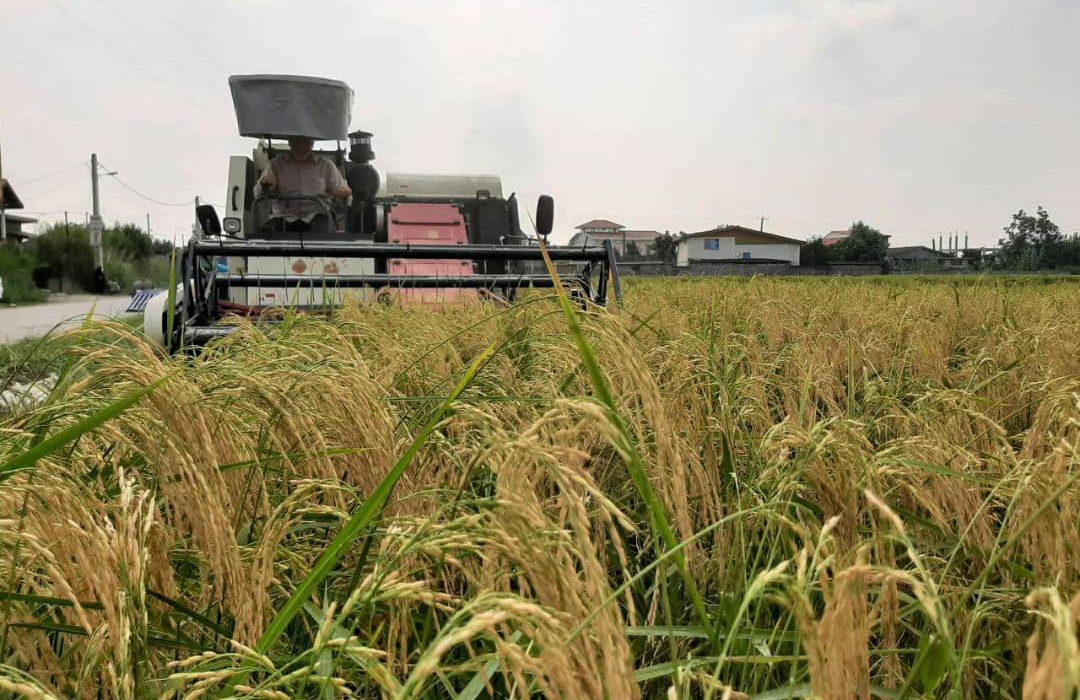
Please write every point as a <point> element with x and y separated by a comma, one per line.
<point>801,690</point>
<point>191,614</point>
<point>47,600</point>
<point>170,313</point>
<point>694,632</point>
<point>933,662</point>
<point>479,682</point>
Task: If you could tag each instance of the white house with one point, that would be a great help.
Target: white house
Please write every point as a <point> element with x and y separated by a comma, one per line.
<point>736,244</point>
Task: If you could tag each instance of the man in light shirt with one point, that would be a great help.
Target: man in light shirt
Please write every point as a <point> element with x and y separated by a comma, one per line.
<point>300,172</point>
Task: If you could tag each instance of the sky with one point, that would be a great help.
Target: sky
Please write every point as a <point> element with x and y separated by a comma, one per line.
<point>917,116</point>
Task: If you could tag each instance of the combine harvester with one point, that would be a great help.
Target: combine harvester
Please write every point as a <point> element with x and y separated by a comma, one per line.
<point>414,238</point>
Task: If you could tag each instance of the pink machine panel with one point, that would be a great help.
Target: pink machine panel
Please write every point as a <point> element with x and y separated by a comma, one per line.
<point>429,224</point>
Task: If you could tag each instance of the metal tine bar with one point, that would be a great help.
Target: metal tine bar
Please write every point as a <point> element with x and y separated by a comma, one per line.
<point>258,248</point>
<point>402,281</point>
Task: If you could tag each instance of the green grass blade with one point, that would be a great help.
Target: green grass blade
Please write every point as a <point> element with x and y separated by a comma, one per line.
<point>170,308</point>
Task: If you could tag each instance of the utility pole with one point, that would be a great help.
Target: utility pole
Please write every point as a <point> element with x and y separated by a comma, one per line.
<point>147,223</point>
<point>3,216</point>
<point>65,254</point>
<point>96,225</point>
<point>196,228</point>
<point>761,228</point>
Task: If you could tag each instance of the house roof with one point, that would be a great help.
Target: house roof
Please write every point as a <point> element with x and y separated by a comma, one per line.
<point>8,196</point>
<point>600,223</point>
<point>904,250</point>
<point>19,218</point>
<point>725,231</point>
<point>627,234</point>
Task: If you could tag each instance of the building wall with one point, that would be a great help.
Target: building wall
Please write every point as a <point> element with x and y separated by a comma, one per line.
<point>771,251</point>
<point>728,249</point>
<point>696,249</point>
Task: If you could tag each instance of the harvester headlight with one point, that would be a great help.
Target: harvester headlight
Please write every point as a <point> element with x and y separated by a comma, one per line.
<point>231,224</point>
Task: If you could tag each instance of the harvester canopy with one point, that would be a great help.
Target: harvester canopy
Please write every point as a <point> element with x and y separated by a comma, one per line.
<point>280,106</point>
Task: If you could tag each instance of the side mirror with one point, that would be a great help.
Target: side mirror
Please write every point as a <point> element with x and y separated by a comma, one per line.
<point>545,214</point>
<point>207,217</point>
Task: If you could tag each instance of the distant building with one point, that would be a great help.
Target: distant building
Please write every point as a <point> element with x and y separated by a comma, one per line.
<point>11,225</point>
<point>736,244</point>
<point>910,258</point>
<point>597,231</point>
<point>834,237</point>
<point>18,227</point>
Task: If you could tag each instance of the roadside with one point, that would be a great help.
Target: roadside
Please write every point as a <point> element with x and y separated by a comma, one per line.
<point>65,311</point>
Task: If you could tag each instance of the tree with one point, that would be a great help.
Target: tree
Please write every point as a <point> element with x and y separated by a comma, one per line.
<point>129,242</point>
<point>1033,242</point>
<point>66,250</point>
<point>864,244</point>
<point>815,252</point>
<point>632,251</point>
<point>663,247</point>
<point>162,247</point>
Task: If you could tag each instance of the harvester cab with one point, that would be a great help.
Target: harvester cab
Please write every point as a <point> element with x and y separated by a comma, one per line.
<point>411,238</point>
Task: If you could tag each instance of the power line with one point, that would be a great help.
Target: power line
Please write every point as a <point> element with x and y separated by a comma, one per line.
<point>46,176</point>
<point>57,185</point>
<point>149,198</point>
<point>181,60</point>
<point>136,60</point>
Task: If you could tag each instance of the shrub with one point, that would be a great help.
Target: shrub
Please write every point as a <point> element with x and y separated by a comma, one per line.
<point>16,271</point>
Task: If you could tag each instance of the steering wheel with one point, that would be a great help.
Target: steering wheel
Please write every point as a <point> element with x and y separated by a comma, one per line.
<point>320,199</point>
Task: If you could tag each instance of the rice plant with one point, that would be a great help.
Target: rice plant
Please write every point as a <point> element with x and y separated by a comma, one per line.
<point>723,488</point>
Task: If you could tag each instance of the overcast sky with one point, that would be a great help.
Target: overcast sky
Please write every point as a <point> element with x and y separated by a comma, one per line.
<point>917,116</point>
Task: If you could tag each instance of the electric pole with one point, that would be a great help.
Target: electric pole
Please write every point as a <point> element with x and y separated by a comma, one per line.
<point>196,228</point>
<point>3,216</point>
<point>65,254</point>
<point>96,225</point>
<point>761,228</point>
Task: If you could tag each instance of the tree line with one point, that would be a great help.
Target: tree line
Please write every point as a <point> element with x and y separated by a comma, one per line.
<point>61,259</point>
<point>1032,242</point>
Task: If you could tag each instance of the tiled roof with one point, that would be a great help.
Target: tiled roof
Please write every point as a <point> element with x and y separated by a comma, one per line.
<point>627,234</point>
<point>901,251</point>
<point>599,223</point>
<point>11,200</point>
<point>725,231</point>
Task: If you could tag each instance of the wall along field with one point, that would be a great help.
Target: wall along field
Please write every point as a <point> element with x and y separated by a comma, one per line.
<point>764,488</point>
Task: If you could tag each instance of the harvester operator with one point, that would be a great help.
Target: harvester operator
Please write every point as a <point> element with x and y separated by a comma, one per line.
<point>300,173</point>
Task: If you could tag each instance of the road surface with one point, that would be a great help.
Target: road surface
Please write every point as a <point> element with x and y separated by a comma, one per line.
<point>34,320</point>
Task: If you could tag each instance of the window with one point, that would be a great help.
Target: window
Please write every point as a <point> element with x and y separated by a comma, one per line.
<point>712,244</point>
<point>746,255</point>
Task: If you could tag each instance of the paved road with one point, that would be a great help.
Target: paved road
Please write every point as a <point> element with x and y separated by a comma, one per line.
<point>38,319</point>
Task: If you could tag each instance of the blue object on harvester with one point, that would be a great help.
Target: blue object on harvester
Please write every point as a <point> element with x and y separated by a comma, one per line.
<point>139,299</point>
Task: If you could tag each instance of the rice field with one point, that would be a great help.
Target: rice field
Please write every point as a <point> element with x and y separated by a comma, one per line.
<point>726,488</point>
